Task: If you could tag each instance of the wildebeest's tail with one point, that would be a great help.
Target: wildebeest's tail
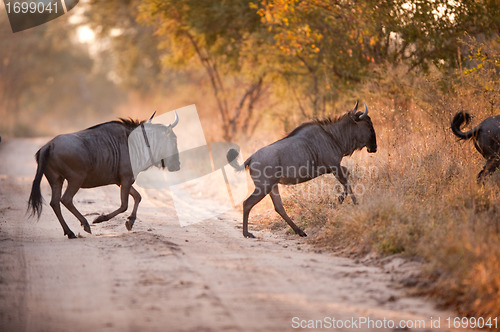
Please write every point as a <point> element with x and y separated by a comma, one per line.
<point>35,201</point>
<point>232,155</point>
<point>457,122</point>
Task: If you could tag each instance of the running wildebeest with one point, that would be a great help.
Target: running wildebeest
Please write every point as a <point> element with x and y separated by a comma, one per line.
<point>486,138</point>
<point>310,150</point>
<point>99,156</point>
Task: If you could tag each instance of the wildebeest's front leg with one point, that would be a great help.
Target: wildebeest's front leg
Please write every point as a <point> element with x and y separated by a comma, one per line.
<point>341,173</point>
<point>137,199</point>
<point>278,207</point>
<point>124,192</point>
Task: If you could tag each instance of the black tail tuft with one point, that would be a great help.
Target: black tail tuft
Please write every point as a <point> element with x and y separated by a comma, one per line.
<point>35,201</point>
<point>231,156</point>
<point>458,121</point>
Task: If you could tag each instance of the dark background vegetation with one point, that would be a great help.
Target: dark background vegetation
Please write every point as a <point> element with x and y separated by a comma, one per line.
<point>255,69</point>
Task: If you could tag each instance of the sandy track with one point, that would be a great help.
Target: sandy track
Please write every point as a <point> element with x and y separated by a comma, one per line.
<point>163,277</point>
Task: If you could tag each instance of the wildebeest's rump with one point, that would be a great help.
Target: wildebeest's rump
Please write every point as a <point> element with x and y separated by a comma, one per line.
<point>486,137</point>
<point>99,156</point>
<point>312,149</point>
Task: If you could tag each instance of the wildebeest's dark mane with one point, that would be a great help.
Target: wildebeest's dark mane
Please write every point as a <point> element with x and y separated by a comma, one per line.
<point>329,120</point>
<point>128,123</point>
<point>320,122</point>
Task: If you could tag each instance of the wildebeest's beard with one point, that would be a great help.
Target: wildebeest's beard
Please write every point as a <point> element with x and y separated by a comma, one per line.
<point>172,162</point>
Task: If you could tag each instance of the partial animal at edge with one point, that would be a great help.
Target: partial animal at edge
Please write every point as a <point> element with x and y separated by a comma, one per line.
<point>486,138</point>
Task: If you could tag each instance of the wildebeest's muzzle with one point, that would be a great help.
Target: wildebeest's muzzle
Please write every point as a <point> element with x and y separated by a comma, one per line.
<point>172,163</point>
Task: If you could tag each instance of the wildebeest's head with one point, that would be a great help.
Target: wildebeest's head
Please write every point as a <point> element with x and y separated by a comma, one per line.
<point>365,133</point>
<point>167,145</point>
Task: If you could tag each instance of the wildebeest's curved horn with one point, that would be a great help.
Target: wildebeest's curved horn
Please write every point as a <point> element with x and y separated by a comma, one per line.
<point>356,106</point>
<point>152,116</point>
<point>365,113</point>
<point>176,121</point>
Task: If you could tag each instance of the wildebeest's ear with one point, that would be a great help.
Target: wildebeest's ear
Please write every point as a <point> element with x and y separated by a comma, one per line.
<point>152,116</point>
<point>353,116</point>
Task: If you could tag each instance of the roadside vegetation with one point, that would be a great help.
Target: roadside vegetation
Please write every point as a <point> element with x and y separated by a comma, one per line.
<point>256,69</point>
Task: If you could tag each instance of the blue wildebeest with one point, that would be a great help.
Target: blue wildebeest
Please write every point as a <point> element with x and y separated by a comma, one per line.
<point>99,156</point>
<point>486,138</point>
<point>310,150</point>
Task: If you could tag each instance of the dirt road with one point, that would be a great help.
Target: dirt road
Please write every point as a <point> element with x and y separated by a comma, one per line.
<point>163,277</point>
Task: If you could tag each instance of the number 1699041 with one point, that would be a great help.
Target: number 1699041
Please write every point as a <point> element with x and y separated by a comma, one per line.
<point>31,7</point>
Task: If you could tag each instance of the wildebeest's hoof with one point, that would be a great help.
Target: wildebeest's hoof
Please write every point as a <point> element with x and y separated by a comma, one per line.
<point>249,235</point>
<point>99,219</point>
<point>301,233</point>
<point>341,199</point>
<point>129,224</point>
<point>71,235</point>
<point>86,228</point>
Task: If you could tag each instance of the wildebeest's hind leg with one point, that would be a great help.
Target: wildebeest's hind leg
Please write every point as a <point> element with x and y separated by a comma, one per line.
<point>67,199</point>
<point>124,192</point>
<point>341,173</point>
<point>491,165</point>
<point>137,199</point>
<point>278,206</point>
<point>56,183</point>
